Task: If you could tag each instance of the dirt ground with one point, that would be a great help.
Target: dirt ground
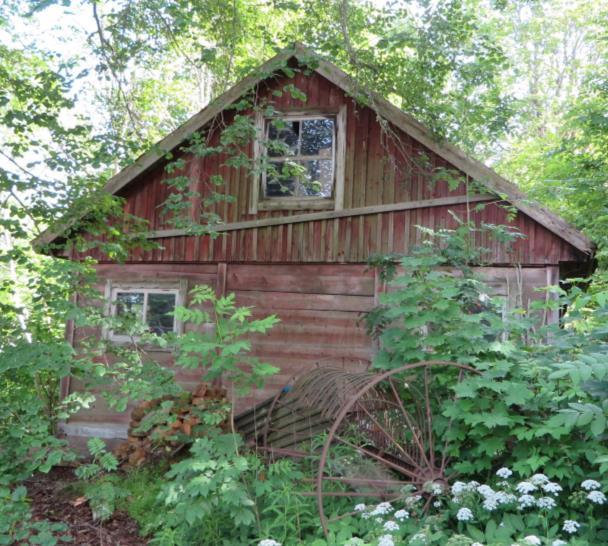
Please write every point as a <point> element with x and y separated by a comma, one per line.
<point>53,499</point>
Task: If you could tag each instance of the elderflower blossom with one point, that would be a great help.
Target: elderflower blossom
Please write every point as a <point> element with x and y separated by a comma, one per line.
<point>533,540</point>
<point>571,526</point>
<point>490,503</point>
<point>539,479</point>
<point>458,488</point>
<point>464,514</point>
<point>525,487</point>
<point>436,489</point>
<point>360,507</point>
<point>590,485</point>
<point>559,542</point>
<point>552,487</point>
<point>386,540</point>
<point>546,503</point>
<point>504,498</point>
<point>401,515</point>
<point>597,497</point>
<point>391,526</point>
<point>437,504</point>
<point>382,509</point>
<point>411,501</point>
<point>485,491</point>
<point>269,542</point>
<point>526,501</point>
<point>504,473</point>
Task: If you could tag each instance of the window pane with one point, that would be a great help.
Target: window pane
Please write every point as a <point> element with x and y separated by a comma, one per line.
<point>158,316</point>
<point>318,179</point>
<point>283,137</point>
<point>317,137</point>
<point>129,306</point>
<point>281,178</point>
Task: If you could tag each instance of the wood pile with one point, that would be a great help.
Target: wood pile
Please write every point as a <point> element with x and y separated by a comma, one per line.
<point>159,428</point>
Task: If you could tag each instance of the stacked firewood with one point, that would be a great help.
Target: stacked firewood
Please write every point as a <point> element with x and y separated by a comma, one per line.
<point>162,427</point>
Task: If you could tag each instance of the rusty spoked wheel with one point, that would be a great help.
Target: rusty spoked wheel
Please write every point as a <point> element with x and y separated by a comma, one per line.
<point>389,435</point>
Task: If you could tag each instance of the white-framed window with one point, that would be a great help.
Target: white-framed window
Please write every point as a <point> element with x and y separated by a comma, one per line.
<point>301,158</point>
<point>150,304</point>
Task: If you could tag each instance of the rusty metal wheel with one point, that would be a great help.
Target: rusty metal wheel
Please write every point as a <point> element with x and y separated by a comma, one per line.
<point>387,435</point>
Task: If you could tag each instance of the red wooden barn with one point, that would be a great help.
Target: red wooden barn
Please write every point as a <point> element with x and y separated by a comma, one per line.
<point>347,180</point>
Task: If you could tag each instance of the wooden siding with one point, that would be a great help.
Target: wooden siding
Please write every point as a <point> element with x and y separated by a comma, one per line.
<point>320,308</point>
<point>379,169</point>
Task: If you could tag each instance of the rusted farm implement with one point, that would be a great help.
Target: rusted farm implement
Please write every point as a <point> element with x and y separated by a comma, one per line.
<point>384,422</point>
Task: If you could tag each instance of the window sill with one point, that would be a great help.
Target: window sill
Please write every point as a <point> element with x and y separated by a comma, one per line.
<point>297,204</point>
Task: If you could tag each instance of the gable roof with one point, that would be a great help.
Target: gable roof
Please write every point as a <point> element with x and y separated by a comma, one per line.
<point>452,154</point>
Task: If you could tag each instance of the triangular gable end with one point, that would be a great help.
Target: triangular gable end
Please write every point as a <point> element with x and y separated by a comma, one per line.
<point>453,155</point>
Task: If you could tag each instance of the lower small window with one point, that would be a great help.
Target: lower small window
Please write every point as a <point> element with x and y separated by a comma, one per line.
<point>153,307</point>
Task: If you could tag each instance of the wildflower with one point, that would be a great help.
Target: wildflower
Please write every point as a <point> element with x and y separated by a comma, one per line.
<point>525,487</point>
<point>269,542</point>
<point>464,514</point>
<point>366,515</point>
<point>382,509</point>
<point>472,485</point>
<point>546,503</point>
<point>533,540</point>
<point>526,501</point>
<point>411,501</point>
<point>571,526</point>
<point>436,489</point>
<point>559,542</point>
<point>402,514</point>
<point>485,491</point>
<point>360,507</point>
<point>437,504</point>
<point>504,473</point>
<point>391,526</point>
<point>539,479</point>
<point>418,537</point>
<point>379,520</point>
<point>590,485</point>
<point>552,487</point>
<point>386,540</point>
<point>504,498</point>
<point>458,488</point>
<point>477,544</point>
<point>597,497</point>
<point>490,503</point>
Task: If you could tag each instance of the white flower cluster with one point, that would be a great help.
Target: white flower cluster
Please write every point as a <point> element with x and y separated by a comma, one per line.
<point>570,526</point>
<point>269,542</point>
<point>401,515</point>
<point>464,514</point>
<point>590,485</point>
<point>386,540</point>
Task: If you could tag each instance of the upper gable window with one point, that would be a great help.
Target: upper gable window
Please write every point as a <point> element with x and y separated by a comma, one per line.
<point>301,155</point>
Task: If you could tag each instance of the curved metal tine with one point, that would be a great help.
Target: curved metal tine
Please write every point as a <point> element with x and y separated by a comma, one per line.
<point>384,461</point>
<point>408,420</point>
<point>389,436</point>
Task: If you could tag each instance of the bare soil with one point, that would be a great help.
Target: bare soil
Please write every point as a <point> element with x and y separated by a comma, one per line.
<point>53,499</point>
